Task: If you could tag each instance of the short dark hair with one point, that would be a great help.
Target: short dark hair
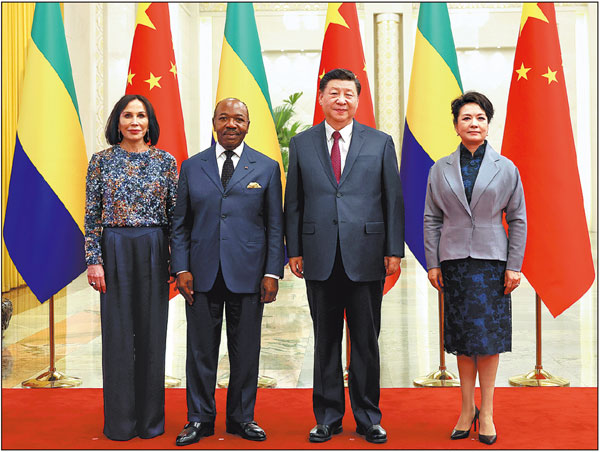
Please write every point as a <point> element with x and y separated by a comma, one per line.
<point>111,132</point>
<point>472,97</point>
<point>339,74</point>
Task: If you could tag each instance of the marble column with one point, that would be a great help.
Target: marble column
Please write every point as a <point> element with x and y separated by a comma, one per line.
<point>389,104</point>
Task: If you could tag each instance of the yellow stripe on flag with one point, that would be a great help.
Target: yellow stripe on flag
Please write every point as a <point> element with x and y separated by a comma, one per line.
<point>235,80</point>
<point>50,133</point>
<point>432,89</point>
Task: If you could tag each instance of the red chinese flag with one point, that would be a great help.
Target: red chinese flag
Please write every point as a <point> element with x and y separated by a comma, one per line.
<point>153,74</point>
<point>538,138</point>
<point>342,48</point>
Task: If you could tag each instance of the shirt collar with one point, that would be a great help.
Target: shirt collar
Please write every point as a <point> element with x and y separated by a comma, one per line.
<point>237,151</point>
<point>345,132</point>
<point>479,153</point>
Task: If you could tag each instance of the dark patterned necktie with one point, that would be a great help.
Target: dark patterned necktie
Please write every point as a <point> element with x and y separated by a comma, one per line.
<point>227,171</point>
<point>336,159</point>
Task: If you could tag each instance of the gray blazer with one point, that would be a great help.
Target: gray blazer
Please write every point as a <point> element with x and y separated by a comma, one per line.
<point>453,229</point>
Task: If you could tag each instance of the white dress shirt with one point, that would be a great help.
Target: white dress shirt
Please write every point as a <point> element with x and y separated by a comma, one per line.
<point>344,143</point>
<point>221,157</point>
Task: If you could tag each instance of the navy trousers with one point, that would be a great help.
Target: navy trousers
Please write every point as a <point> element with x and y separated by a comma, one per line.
<point>362,302</point>
<point>134,313</point>
<point>204,321</point>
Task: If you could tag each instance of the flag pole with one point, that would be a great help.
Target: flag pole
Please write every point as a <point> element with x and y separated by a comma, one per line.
<point>52,378</point>
<point>538,376</point>
<point>442,376</point>
<point>347,367</point>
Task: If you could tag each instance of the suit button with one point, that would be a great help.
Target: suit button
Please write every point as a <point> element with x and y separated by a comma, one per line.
<point>334,221</point>
<point>223,216</point>
<point>339,195</point>
<point>224,195</point>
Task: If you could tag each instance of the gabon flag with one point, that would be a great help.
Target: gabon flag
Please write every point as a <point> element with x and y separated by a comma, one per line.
<point>242,75</point>
<point>538,138</point>
<point>43,226</point>
<point>434,83</point>
<point>342,48</point>
<point>153,74</point>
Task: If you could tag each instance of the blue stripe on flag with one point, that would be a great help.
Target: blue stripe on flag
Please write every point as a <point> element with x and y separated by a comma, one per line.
<point>47,257</point>
<point>414,170</point>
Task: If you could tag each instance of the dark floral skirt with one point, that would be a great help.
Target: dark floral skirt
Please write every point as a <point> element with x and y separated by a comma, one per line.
<point>477,314</point>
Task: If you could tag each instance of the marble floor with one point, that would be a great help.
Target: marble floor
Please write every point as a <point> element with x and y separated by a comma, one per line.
<point>409,339</point>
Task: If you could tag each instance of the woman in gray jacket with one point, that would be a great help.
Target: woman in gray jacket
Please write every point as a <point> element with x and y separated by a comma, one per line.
<point>471,258</point>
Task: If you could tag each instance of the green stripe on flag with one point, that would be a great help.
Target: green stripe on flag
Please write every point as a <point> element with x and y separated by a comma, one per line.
<point>434,24</point>
<point>48,33</point>
<point>242,35</point>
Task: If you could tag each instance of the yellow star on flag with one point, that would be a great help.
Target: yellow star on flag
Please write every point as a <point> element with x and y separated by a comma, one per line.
<point>153,81</point>
<point>130,78</point>
<point>173,69</point>
<point>523,72</point>
<point>531,10</point>
<point>322,75</point>
<point>334,16</point>
<point>550,75</point>
<point>142,17</point>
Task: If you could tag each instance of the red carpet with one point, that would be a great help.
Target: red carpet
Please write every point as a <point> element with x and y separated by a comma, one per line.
<point>415,418</point>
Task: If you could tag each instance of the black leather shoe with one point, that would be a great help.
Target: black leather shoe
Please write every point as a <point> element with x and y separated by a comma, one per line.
<point>247,430</point>
<point>323,432</point>
<point>374,434</point>
<point>462,434</point>
<point>487,439</point>
<point>193,431</point>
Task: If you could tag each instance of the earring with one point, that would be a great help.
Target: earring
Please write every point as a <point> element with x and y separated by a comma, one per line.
<point>147,136</point>
<point>120,136</point>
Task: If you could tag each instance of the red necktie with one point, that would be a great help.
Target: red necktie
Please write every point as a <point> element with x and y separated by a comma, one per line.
<point>336,159</point>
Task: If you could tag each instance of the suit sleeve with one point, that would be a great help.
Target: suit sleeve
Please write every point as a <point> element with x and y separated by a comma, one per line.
<point>182,226</point>
<point>516,217</point>
<point>294,204</point>
<point>433,219</point>
<point>274,225</point>
<point>393,202</point>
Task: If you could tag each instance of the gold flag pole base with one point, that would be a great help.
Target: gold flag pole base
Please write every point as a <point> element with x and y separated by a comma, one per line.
<point>263,382</point>
<point>538,377</point>
<point>172,382</point>
<point>52,379</point>
<point>439,378</point>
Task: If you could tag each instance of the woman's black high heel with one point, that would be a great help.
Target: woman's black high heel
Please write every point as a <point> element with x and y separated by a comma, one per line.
<point>462,434</point>
<point>487,439</point>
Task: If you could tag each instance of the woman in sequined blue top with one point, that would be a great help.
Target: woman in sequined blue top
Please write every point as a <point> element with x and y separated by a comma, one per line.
<point>472,259</point>
<point>130,197</point>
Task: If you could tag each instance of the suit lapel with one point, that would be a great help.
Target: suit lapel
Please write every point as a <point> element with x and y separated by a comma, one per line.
<point>356,143</point>
<point>320,143</point>
<point>487,172</point>
<point>244,167</point>
<point>209,166</point>
<point>453,176</point>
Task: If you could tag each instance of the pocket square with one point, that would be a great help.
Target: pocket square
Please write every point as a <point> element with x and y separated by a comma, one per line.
<point>253,185</point>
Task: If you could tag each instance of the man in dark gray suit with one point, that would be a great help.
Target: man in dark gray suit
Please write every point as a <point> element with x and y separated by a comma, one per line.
<point>227,252</point>
<point>344,217</point>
